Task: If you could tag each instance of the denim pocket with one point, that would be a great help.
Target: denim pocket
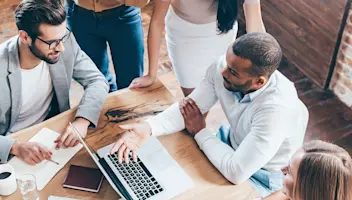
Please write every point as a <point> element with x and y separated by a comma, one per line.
<point>131,14</point>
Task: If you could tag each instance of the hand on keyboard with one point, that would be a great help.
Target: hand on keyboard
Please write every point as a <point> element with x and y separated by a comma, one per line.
<point>131,140</point>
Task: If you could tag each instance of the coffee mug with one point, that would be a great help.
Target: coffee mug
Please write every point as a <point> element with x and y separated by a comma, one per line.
<point>8,184</point>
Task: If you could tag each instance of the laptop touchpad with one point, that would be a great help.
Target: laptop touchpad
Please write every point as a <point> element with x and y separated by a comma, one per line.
<point>160,160</point>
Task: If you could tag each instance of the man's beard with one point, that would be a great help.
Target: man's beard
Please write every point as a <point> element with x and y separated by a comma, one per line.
<point>244,88</point>
<point>37,53</point>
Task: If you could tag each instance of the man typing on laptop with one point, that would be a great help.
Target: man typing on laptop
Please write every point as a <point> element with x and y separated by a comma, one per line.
<point>267,119</point>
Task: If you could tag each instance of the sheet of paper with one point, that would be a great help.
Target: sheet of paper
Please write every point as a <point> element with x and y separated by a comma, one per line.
<point>45,170</point>
<point>59,198</point>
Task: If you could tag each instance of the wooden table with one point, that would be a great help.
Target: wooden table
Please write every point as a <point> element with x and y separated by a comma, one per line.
<point>127,106</point>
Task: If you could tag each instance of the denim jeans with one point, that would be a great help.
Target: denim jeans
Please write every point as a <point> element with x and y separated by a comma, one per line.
<point>121,28</point>
<point>263,181</point>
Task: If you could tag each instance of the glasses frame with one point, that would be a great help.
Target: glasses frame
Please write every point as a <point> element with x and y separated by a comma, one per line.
<point>56,42</point>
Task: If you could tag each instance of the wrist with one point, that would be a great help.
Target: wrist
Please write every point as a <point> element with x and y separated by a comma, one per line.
<point>152,75</point>
<point>14,148</point>
<point>82,121</point>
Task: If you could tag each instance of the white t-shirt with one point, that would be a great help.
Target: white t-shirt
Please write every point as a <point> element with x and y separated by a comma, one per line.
<point>37,93</point>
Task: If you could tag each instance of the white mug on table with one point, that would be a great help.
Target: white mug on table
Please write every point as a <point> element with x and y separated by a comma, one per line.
<point>8,184</point>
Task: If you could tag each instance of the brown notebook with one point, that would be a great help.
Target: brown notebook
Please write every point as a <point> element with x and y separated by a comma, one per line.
<point>83,178</point>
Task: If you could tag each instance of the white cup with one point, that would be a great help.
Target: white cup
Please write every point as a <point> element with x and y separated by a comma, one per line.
<point>9,184</point>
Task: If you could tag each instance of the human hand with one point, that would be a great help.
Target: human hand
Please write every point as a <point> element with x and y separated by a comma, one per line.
<point>141,82</point>
<point>131,140</point>
<point>69,138</point>
<point>31,152</point>
<point>193,118</point>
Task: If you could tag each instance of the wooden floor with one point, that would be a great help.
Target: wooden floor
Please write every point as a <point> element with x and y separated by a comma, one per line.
<point>330,119</point>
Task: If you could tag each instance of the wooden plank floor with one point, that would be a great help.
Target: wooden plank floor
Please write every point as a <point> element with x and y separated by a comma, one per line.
<point>330,119</point>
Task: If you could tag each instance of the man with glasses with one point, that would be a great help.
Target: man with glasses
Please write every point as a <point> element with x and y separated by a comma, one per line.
<point>36,69</point>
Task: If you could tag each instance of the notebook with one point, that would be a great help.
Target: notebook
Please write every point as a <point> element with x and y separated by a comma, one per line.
<point>45,170</point>
<point>83,178</point>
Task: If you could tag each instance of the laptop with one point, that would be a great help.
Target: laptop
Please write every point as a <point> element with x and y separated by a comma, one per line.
<point>155,175</point>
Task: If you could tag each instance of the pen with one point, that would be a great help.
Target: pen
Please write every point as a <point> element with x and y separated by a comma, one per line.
<point>53,161</point>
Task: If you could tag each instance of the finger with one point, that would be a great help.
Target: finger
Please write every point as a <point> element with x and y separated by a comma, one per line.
<point>120,153</point>
<point>29,161</point>
<point>68,140</point>
<point>191,102</point>
<point>39,159</point>
<point>34,157</point>
<point>57,141</point>
<point>183,113</point>
<point>127,151</point>
<point>134,85</point>
<point>192,106</point>
<point>61,139</point>
<point>181,108</point>
<point>74,142</point>
<point>183,103</point>
<point>134,156</point>
<point>45,152</point>
<point>38,155</point>
<point>127,126</point>
<point>116,146</point>
<point>188,109</point>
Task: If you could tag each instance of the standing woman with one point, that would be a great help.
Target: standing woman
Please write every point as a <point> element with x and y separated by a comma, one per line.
<point>97,23</point>
<point>197,33</point>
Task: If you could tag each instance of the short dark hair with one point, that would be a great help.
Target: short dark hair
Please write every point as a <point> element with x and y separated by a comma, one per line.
<point>30,14</point>
<point>262,50</point>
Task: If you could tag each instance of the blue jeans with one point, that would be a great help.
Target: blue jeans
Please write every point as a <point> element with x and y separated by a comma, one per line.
<point>121,28</point>
<point>263,181</point>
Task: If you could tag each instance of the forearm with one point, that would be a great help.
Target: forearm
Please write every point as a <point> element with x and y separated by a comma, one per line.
<point>92,102</point>
<point>154,42</point>
<point>168,122</point>
<point>257,149</point>
<point>219,154</point>
<point>253,15</point>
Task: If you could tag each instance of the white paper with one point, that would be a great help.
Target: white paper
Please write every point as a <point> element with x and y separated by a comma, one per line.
<point>45,170</point>
<point>59,198</point>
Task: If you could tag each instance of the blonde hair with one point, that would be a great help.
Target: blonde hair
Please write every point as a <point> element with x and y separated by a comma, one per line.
<point>325,173</point>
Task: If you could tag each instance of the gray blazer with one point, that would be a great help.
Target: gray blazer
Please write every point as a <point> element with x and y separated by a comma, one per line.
<point>73,63</point>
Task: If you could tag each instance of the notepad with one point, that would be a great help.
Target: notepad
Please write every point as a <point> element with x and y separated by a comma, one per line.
<point>83,178</point>
<point>45,170</point>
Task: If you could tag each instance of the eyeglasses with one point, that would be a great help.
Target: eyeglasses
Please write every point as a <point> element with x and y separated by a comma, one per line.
<point>54,43</point>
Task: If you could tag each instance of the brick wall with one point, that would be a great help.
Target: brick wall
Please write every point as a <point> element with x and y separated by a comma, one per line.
<point>341,82</point>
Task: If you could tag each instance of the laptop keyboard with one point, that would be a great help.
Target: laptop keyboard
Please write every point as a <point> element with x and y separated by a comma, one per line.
<point>138,177</point>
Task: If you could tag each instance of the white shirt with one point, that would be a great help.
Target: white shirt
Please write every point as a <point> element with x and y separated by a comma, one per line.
<point>37,93</point>
<point>267,126</point>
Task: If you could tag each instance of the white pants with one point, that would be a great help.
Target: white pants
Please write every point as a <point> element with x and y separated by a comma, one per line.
<point>194,47</point>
